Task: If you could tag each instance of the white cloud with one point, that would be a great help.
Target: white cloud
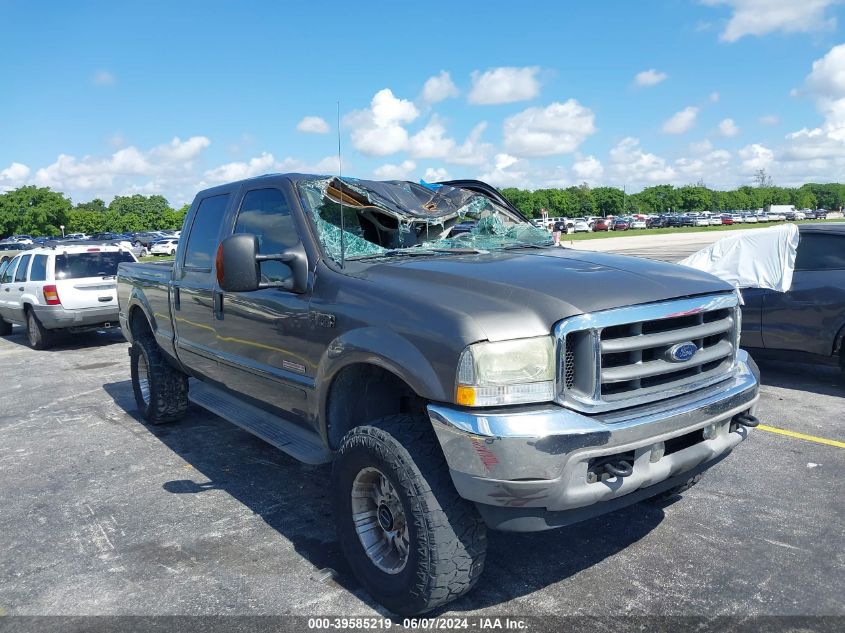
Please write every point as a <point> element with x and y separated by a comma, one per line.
<point>556,129</point>
<point>435,174</point>
<point>728,128</point>
<point>507,171</point>
<point>754,157</point>
<point>378,131</point>
<point>313,125</point>
<point>239,170</point>
<point>588,168</point>
<point>504,85</point>
<point>701,147</point>
<point>759,17</point>
<point>827,78</point>
<point>712,168</point>
<point>439,87</point>
<point>395,172</point>
<point>770,119</point>
<point>15,174</point>
<point>103,78</point>
<point>714,97</point>
<point>163,162</point>
<point>630,164</point>
<point>681,122</point>
<point>431,141</point>
<point>266,163</point>
<point>650,77</point>
<point>472,151</point>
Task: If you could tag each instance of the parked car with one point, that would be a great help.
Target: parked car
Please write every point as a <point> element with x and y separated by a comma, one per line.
<point>821,214</point>
<point>749,218</point>
<point>700,220</point>
<point>168,247</point>
<point>601,225</point>
<point>726,219</point>
<point>146,238</point>
<point>715,220</point>
<point>809,214</point>
<point>72,289</point>
<point>807,322</point>
<point>621,224</point>
<point>795,215</point>
<point>657,222</point>
<point>637,223</point>
<point>76,236</point>
<point>429,376</point>
<point>577,226</point>
<point>9,249</point>
<point>762,217</point>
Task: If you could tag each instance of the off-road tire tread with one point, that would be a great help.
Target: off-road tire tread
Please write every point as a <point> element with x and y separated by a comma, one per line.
<point>452,536</point>
<point>168,385</point>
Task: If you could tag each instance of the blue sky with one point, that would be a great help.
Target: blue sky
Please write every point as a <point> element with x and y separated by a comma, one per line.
<point>103,98</point>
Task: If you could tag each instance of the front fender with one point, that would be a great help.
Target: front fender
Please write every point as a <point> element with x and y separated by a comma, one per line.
<point>388,350</point>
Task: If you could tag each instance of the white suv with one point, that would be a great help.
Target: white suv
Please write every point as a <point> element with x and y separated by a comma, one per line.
<point>69,287</point>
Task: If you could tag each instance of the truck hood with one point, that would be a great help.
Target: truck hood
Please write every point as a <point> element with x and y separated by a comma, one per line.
<point>514,294</point>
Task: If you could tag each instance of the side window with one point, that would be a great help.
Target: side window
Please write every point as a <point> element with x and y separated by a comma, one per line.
<point>3,266</point>
<point>202,241</point>
<point>265,213</point>
<point>38,272</point>
<point>818,251</point>
<point>9,273</point>
<point>20,275</point>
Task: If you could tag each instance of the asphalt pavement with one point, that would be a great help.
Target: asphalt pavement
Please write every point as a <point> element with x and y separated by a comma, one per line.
<point>102,514</point>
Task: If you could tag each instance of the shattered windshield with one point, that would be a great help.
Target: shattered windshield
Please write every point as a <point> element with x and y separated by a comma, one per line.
<point>405,218</point>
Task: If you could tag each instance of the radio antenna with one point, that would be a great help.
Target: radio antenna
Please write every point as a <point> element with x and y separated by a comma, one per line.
<point>340,182</point>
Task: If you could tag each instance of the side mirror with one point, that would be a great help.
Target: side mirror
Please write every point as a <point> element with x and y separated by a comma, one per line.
<point>238,265</point>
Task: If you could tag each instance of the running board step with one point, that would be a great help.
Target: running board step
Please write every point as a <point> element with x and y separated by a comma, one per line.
<point>286,436</point>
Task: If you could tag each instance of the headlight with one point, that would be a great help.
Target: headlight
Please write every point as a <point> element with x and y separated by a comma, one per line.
<point>507,372</point>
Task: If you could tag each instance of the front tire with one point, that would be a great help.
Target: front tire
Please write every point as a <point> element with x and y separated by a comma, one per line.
<point>37,335</point>
<point>411,541</point>
<point>161,390</point>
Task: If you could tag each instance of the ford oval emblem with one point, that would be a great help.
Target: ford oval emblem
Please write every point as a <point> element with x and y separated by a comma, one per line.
<point>682,352</point>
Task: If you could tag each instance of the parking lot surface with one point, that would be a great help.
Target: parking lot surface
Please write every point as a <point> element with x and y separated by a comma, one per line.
<point>102,514</point>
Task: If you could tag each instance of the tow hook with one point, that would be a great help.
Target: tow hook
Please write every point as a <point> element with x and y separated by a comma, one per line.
<point>611,466</point>
<point>746,419</point>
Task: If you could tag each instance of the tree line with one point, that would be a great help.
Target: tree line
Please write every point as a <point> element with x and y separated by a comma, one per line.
<point>584,200</point>
<point>40,211</point>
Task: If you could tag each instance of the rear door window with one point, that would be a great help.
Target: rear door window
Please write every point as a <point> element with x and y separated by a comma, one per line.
<point>20,274</point>
<point>81,265</point>
<point>38,271</point>
<point>202,241</point>
<point>9,271</point>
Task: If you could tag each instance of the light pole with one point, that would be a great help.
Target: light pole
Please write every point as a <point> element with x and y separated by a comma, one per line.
<point>62,227</point>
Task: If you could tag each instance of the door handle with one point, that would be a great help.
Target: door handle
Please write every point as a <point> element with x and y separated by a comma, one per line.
<point>21,288</point>
<point>217,303</point>
<point>6,289</point>
<point>177,303</point>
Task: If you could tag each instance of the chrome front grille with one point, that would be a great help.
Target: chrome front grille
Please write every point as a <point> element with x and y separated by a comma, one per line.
<point>624,357</point>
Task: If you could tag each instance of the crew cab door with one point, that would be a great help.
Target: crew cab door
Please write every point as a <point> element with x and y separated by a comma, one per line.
<point>808,317</point>
<point>193,288</point>
<point>263,336</point>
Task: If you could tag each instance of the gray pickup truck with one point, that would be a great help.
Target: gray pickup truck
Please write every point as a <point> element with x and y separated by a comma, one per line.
<point>458,370</point>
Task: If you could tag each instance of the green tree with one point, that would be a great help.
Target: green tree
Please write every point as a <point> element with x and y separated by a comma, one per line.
<point>33,211</point>
<point>695,198</point>
<point>608,200</point>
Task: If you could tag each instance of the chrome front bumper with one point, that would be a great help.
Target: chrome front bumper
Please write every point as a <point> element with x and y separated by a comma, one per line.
<point>537,457</point>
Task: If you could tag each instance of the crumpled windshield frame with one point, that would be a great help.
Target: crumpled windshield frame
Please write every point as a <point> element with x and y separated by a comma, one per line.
<point>390,218</point>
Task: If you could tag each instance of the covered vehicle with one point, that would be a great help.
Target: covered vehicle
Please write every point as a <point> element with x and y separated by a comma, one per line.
<point>792,279</point>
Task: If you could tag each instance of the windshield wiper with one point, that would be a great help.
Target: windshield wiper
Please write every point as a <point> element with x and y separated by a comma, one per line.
<point>525,245</point>
<point>417,252</point>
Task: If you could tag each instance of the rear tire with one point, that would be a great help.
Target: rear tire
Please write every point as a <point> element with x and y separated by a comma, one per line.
<point>37,335</point>
<point>5,327</point>
<point>161,390</point>
<point>431,548</point>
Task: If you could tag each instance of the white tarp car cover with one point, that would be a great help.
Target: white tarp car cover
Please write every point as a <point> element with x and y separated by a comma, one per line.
<point>759,258</point>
